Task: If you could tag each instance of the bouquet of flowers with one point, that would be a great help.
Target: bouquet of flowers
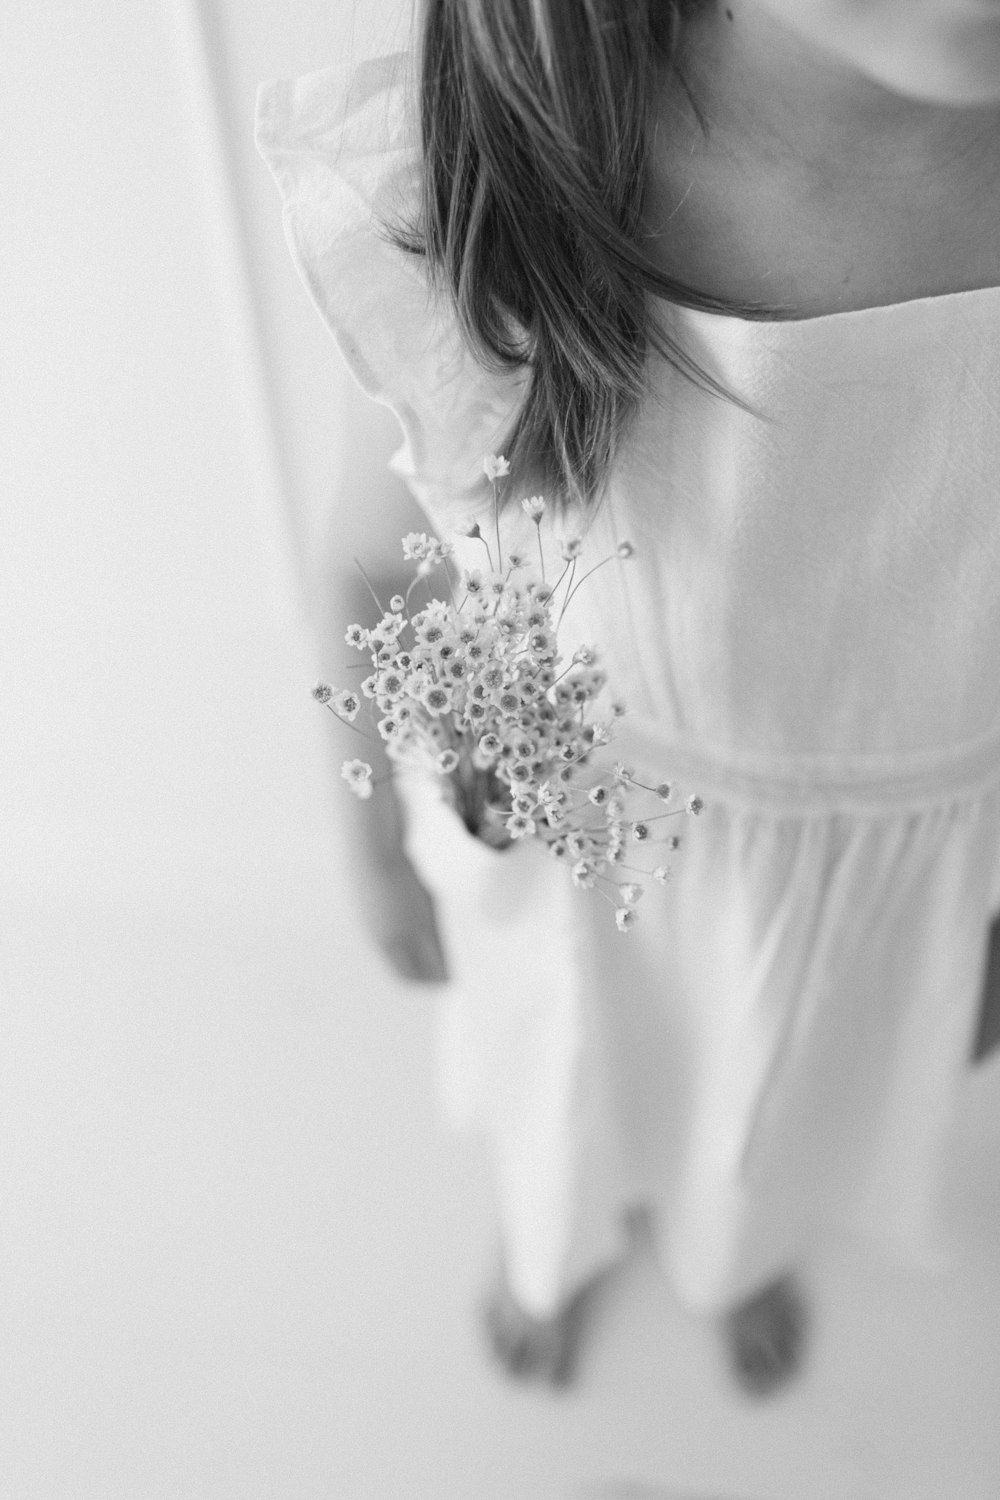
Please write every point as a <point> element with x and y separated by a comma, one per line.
<point>474,690</point>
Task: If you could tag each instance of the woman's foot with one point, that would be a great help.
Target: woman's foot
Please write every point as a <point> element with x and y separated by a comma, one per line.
<point>529,1347</point>
<point>766,1337</point>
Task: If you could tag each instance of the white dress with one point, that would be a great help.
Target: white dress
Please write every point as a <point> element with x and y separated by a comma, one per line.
<point>809,636</point>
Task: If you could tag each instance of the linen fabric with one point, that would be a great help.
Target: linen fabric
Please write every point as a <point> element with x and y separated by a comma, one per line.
<point>808,636</point>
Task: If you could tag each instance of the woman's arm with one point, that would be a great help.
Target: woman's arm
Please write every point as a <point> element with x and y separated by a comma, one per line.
<point>373,509</point>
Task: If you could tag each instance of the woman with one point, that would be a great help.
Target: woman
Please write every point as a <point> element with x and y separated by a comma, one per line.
<point>723,278</point>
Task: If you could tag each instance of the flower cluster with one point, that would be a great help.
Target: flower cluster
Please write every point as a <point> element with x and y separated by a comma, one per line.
<point>475,690</point>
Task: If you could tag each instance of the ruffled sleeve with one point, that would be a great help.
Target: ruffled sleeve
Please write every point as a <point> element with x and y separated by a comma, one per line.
<point>344,151</point>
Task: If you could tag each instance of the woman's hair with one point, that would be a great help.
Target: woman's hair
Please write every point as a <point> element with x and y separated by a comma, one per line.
<point>534,122</point>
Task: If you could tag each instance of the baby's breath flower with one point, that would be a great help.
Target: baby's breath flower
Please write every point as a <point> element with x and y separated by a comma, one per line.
<point>516,558</point>
<point>322,692</point>
<point>558,849</point>
<point>397,604</point>
<point>447,761</point>
<point>474,582</point>
<point>571,548</point>
<point>584,656</point>
<point>495,466</point>
<point>664,791</point>
<point>435,699</point>
<point>358,775</point>
<point>661,874</point>
<point>533,507</point>
<point>631,893</point>
<point>625,918</point>
<point>519,826</point>
<point>468,526</point>
<point>625,550</point>
<point>415,545</point>
<point>390,626</point>
<point>491,744</point>
<point>356,636</point>
<point>583,874</point>
<point>598,795</point>
<point>347,705</point>
<point>640,832</point>
<point>542,643</point>
<point>694,805</point>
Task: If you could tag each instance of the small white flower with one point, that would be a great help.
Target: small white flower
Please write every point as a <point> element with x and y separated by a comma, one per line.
<point>356,636</point>
<point>631,893</point>
<point>415,545</point>
<point>322,692</point>
<point>519,826</point>
<point>625,918</point>
<point>661,874</point>
<point>347,705</point>
<point>447,761</point>
<point>664,791</point>
<point>358,775</point>
<point>625,550</point>
<point>435,699</point>
<point>583,874</point>
<point>495,466</point>
<point>534,507</point>
<point>571,548</point>
<point>694,805</point>
<point>468,526</point>
<point>491,744</point>
<point>397,604</point>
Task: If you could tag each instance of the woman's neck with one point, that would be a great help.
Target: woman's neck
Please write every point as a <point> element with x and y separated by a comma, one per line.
<point>789,178</point>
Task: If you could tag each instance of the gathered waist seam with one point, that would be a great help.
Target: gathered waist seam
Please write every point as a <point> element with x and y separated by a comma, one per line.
<point>817,785</point>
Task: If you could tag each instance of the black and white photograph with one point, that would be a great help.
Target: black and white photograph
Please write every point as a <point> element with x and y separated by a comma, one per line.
<point>500,958</point>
